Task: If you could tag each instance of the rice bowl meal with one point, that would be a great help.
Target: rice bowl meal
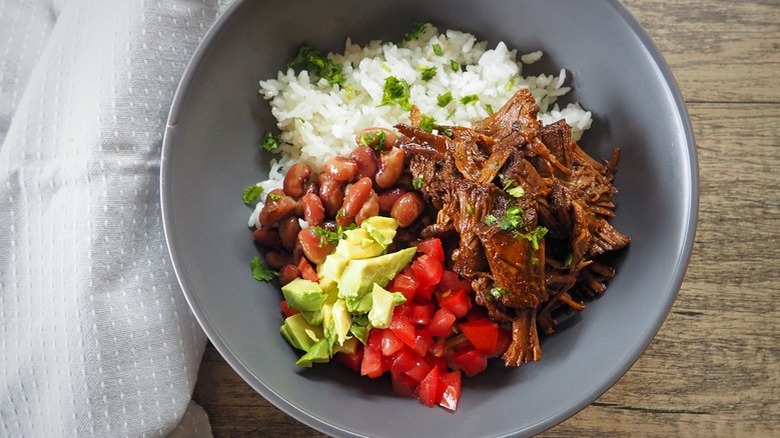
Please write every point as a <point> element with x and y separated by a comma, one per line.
<point>428,208</point>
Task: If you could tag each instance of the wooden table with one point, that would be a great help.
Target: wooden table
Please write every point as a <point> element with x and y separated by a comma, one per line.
<point>714,368</point>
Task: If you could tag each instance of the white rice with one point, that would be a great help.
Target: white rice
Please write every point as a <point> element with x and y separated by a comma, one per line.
<point>318,120</point>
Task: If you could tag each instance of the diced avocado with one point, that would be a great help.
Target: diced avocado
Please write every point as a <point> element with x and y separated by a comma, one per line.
<point>331,268</point>
<point>358,245</point>
<point>299,333</point>
<point>319,352</point>
<point>361,304</point>
<point>313,317</point>
<point>382,308</point>
<point>360,332</point>
<point>341,320</point>
<point>349,346</point>
<point>359,276</point>
<point>381,229</point>
<point>303,295</point>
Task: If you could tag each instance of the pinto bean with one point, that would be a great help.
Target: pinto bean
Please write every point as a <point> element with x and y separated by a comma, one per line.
<point>391,166</point>
<point>277,260</point>
<point>268,237</point>
<point>356,195</point>
<point>313,210</point>
<point>288,231</point>
<point>295,180</point>
<point>277,205</point>
<point>370,137</point>
<point>314,247</point>
<point>288,273</point>
<point>407,208</point>
<point>370,208</point>
<point>366,160</point>
<point>387,198</point>
<point>331,194</point>
<point>340,168</point>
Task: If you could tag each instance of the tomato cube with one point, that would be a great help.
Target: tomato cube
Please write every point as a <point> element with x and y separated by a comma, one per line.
<point>403,328</point>
<point>371,365</point>
<point>449,390</point>
<point>470,361</point>
<point>286,310</point>
<point>403,384</point>
<point>486,336</point>
<point>421,313</point>
<point>307,271</point>
<point>389,342</point>
<point>433,248</point>
<point>404,283</point>
<point>456,302</point>
<point>427,392</point>
<point>427,270</point>
<point>451,281</point>
<point>441,323</point>
<point>352,361</point>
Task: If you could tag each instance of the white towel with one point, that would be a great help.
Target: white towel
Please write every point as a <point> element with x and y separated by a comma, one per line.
<point>95,334</point>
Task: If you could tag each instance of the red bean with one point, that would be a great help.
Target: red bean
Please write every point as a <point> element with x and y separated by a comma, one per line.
<point>365,137</point>
<point>388,197</point>
<point>267,237</point>
<point>407,208</point>
<point>313,210</point>
<point>314,247</point>
<point>391,166</point>
<point>288,231</point>
<point>331,194</point>
<point>277,260</point>
<point>340,168</point>
<point>295,180</point>
<point>356,195</point>
<point>288,273</point>
<point>277,205</point>
<point>369,209</point>
<point>366,160</point>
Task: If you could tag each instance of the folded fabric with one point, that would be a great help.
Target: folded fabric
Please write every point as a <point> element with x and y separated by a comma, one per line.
<point>96,336</point>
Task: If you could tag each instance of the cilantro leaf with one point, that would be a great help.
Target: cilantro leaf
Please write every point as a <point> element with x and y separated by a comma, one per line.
<point>374,139</point>
<point>568,261</point>
<point>251,194</point>
<point>317,64</point>
<point>270,142</point>
<point>490,220</point>
<point>427,73</point>
<point>416,31</point>
<point>417,182</point>
<point>535,236</point>
<point>512,219</point>
<point>437,49</point>
<point>443,99</point>
<point>396,91</point>
<point>469,98</point>
<point>426,123</point>
<point>261,271</point>
<point>517,192</point>
<point>497,292</point>
<point>454,65</point>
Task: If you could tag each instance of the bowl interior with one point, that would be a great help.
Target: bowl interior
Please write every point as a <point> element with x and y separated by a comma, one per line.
<point>211,154</point>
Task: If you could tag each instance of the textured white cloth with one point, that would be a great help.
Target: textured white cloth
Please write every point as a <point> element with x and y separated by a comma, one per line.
<point>95,334</point>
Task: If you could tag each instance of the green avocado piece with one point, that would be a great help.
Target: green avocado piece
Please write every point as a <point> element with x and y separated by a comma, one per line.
<point>303,295</point>
<point>383,304</point>
<point>299,333</point>
<point>358,245</point>
<point>341,321</point>
<point>359,276</point>
<point>359,305</point>
<point>319,352</point>
<point>381,229</point>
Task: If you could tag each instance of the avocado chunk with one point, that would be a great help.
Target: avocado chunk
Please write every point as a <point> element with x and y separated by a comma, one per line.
<point>299,333</point>
<point>381,229</point>
<point>359,276</point>
<point>383,304</point>
<point>303,295</point>
<point>319,352</point>
<point>341,321</point>
<point>358,245</point>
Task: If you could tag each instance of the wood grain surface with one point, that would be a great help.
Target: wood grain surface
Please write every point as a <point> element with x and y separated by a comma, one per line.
<point>714,367</point>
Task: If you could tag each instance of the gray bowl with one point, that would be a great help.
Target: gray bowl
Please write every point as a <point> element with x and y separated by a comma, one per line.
<point>211,153</point>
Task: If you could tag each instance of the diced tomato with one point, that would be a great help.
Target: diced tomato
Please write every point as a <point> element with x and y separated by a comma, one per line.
<point>427,270</point>
<point>421,313</point>
<point>286,310</point>
<point>427,392</point>
<point>420,368</point>
<point>404,283</point>
<point>422,342</point>
<point>403,384</point>
<point>307,271</point>
<point>456,302</point>
<point>352,361</point>
<point>449,390</point>
<point>470,361</point>
<point>403,328</point>
<point>389,343</point>
<point>371,365</point>
<point>435,361</point>
<point>441,323</point>
<point>403,360</point>
<point>486,336</point>
<point>425,291</point>
<point>451,281</point>
<point>433,248</point>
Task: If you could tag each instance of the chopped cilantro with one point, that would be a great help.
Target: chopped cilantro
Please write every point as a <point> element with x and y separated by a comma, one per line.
<point>535,236</point>
<point>251,194</point>
<point>489,108</point>
<point>270,142</point>
<point>396,91</point>
<point>326,235</point>
<point>469,209</point>
<point>454,65</point>
<point>417,182</point>
<point>512,219</point>
<point>317,64</point>
<point>497,292</point>
<point>437,50</point>
<point>374,139</point>
<point>443,99</point>
<point>426,123</point>
<point>444,130</point>
<point>416,31</point>
<point>261,271</point>
<point>274,197</point>
<point>427,73</point>
<point>517,192</point>
<point>490,220</point>
<point>469,98</point>
<point>569,259</point>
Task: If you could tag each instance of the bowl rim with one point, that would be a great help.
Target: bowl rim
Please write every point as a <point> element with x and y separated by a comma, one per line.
<point>684,257</point>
